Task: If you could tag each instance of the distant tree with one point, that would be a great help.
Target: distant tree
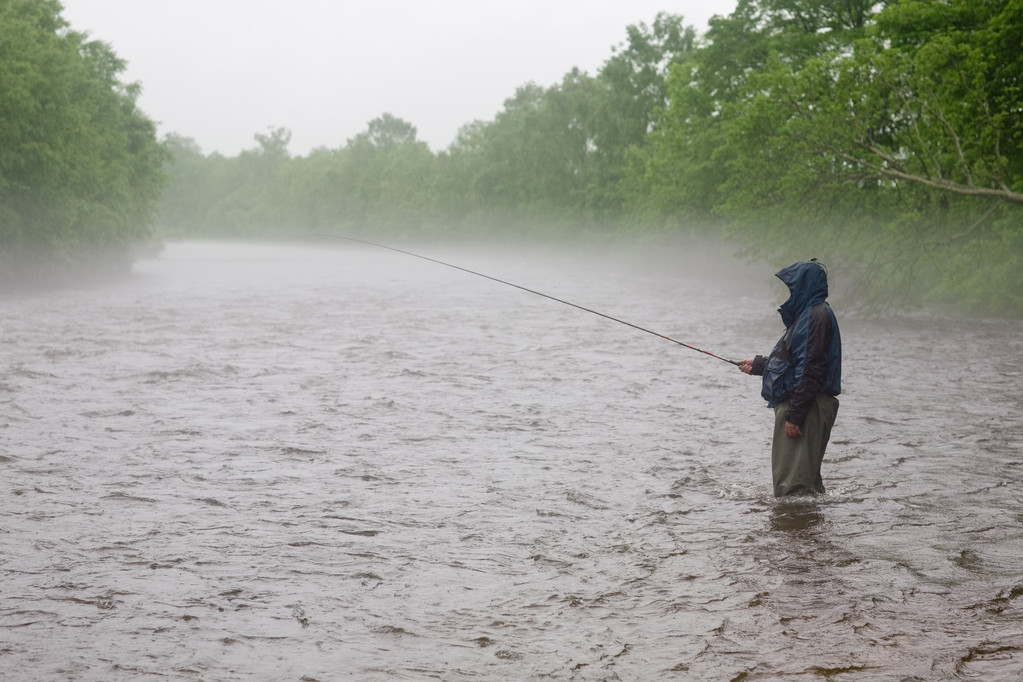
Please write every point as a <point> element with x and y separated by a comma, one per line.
<point>185,202</point>
<point>386,132</point>
<point>274,144</point>
<point>554,157</point>
<point>386,178</point>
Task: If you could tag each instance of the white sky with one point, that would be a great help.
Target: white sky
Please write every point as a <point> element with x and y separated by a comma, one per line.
<point>220,71</point>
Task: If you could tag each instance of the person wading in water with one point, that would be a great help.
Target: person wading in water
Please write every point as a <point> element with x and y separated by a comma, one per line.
<point>801,378</point>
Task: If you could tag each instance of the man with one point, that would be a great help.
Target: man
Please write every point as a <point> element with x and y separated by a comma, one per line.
<point>802,376</point>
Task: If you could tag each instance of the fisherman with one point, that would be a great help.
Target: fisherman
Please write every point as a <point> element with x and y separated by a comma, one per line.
<point>802,376</point>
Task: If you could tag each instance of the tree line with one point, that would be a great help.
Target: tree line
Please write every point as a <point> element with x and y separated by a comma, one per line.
<point>551,162</point>
<point>882,137</point>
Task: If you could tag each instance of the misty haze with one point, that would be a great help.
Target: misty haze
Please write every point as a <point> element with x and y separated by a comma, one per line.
<point>380,408</point>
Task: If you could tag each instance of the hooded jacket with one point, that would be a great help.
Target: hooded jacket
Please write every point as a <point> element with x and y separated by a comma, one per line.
<point>807,360</point>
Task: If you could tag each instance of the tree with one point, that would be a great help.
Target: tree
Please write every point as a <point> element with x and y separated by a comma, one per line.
<point>185,201</point>
<point>384,179</point>
<point>386,132</point>
<point>680,173</point>
<point>634,92</point>
<point>902,155</point>
<point>80,167</point>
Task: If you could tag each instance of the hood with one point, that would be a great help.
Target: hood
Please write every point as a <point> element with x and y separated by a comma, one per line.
<point>808,285</point>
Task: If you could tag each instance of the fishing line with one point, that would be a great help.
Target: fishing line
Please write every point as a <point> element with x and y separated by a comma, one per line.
<point>526,289</point>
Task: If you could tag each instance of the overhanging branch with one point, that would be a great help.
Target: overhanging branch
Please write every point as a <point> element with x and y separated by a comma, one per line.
<point>1003,194</point>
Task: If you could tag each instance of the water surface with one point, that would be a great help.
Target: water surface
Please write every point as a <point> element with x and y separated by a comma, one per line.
<point>327,461</point>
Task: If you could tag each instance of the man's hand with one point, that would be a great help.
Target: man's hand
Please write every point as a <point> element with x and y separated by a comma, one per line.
<point>746,366</point>
<point>792,431</point>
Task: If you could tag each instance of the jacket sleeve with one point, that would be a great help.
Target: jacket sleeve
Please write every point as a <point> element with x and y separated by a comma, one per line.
<point>815,367</point>
<point>759,362</point>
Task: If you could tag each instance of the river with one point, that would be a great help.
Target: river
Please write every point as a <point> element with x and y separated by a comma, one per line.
<point>328,461</point>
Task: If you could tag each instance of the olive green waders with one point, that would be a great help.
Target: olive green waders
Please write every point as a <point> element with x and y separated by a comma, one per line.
<point>796,462</point>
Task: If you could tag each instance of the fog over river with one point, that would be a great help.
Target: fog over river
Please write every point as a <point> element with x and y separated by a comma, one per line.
<point>328,461</point>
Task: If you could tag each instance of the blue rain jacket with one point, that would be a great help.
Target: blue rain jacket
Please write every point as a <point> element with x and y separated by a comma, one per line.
<point>807,360</point>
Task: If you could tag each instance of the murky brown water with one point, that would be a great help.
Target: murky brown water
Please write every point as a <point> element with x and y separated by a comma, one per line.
<point>313,463</point>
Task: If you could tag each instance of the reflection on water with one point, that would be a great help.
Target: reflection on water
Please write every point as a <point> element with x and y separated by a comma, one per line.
<point>801,518</point>
<point>274,462</point>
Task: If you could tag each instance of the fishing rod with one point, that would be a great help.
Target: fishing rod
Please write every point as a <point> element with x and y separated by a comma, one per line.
<point>526,289</point>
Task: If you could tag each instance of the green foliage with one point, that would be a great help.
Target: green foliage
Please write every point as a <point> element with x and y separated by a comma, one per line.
<point>884,137</point>
<point>550,162</point>
<point>680,174</point>
<point>899,155</point>
<point>635,91</point>
<point>887,143</point>
<point>381,180</point>
<point>80,168</point>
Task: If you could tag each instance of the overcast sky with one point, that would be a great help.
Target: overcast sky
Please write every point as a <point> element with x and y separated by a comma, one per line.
<point>220,71</point>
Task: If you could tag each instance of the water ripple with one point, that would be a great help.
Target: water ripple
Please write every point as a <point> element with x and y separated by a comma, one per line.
<point>298,463</point>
